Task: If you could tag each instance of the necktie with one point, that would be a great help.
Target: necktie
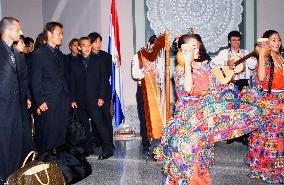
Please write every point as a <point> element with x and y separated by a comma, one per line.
<point>85,61</point>
<point>12,57</point>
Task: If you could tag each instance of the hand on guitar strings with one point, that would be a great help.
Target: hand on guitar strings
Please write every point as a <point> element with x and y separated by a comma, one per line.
<point>232,61</point>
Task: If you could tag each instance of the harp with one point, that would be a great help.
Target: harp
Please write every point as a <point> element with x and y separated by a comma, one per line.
<point>156,88</point>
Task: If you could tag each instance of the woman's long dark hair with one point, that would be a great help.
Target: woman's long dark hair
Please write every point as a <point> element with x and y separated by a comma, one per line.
<point>177,43</point>
<point>202,50</point>
<point>268,34</point>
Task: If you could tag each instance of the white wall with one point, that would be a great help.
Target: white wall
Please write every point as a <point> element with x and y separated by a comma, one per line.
<point>0,9</point>
<point>250,28</point>
<point>79,18</point>
<point>270,16</point>
<point>28,12</point>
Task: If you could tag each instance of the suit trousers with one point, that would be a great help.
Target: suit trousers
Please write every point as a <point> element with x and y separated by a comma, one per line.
<point>141,116</point>
<point>98,123</point>
<point>84,120</point>
<point>108,120</point>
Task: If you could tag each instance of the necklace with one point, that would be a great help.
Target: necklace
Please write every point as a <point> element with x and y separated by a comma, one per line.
<point>279,66</point>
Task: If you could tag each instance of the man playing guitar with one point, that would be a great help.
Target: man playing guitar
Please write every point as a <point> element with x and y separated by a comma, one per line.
<point>228,56</point>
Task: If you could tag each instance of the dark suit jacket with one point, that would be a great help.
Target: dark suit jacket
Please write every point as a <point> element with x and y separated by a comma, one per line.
<point>67,62</point>
<point>11,113</point>
<point>48,80</point>
<point>107,60</point>
<point>24,82</point>
<point>89,85</point>
<point>10,106</point>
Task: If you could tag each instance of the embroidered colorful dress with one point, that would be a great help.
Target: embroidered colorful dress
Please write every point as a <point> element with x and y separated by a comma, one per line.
<point>207,114</point>
<point>266,149</point>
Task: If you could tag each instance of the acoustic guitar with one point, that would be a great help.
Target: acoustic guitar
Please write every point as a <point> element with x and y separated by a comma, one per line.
<point>224,74</point>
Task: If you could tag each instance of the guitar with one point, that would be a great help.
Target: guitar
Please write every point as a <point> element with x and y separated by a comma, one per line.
<point>224,74</point>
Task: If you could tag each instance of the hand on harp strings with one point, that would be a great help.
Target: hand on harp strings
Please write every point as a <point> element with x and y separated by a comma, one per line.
<point>147,67</point>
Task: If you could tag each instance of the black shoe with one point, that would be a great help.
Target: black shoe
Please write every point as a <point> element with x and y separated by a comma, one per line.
<point>98,144</point>
<point>146,148</point>
<point>230,141</point>
<point>146,152</point>
<point>240,139</point>
<point>87,154</point>
<point>104,156</point>
<point>245,141</point>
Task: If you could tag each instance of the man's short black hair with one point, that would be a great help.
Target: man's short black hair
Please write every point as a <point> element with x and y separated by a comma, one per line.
<point>234,33</point>
<point>152,39</point>
<point>94,36</point>
<point>40,40</point>
<point>50,27</point>
<point>72,41</point>
<point>21,38</point>
<point>28,40</point>
<point>6,22</point>
<point>83,38</point>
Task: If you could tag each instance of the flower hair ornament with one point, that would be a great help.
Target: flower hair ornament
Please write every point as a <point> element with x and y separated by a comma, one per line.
<point>175,44</point>
<point>190,31</point>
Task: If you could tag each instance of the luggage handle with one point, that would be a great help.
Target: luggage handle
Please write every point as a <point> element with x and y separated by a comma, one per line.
<point>28,156</point>
<point>48,179</point>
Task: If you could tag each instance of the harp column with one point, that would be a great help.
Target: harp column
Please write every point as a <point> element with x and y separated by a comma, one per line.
<point>168,100</point>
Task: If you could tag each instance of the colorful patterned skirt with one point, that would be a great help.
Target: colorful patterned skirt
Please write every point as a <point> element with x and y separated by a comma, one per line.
<point>187,142</point>
<point>266,148</point>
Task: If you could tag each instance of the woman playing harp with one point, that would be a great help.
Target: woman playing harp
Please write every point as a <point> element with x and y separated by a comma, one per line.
<point>155,85</point>
<point>139,74</point>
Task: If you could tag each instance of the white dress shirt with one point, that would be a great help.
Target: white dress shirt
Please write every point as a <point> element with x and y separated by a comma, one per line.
<point>224,55</point>
<point>137,73</point>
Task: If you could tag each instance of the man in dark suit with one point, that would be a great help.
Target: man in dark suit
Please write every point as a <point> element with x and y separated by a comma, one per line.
<point>50,91</point>
<point>73,47</point>
<point>24,79</point>
<point>88,86</point>
<point>96,41</point>
<point>12,108</point>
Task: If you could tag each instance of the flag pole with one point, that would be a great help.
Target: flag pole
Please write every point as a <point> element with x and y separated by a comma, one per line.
<point>124,132</point>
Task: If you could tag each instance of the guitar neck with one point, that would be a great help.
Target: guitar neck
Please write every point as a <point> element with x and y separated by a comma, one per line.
<point>251,54</point>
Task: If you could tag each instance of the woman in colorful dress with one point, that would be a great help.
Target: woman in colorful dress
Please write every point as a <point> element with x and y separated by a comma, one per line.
<point>205,112</point>
<point>266,148</point>
<point>192,80</point>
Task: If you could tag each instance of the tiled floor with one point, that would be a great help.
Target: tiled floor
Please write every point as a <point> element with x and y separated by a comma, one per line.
<point>128,166</point>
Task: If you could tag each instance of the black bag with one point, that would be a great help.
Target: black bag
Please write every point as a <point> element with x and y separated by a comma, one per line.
<point>72,164</point>
<point>76,134</point>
